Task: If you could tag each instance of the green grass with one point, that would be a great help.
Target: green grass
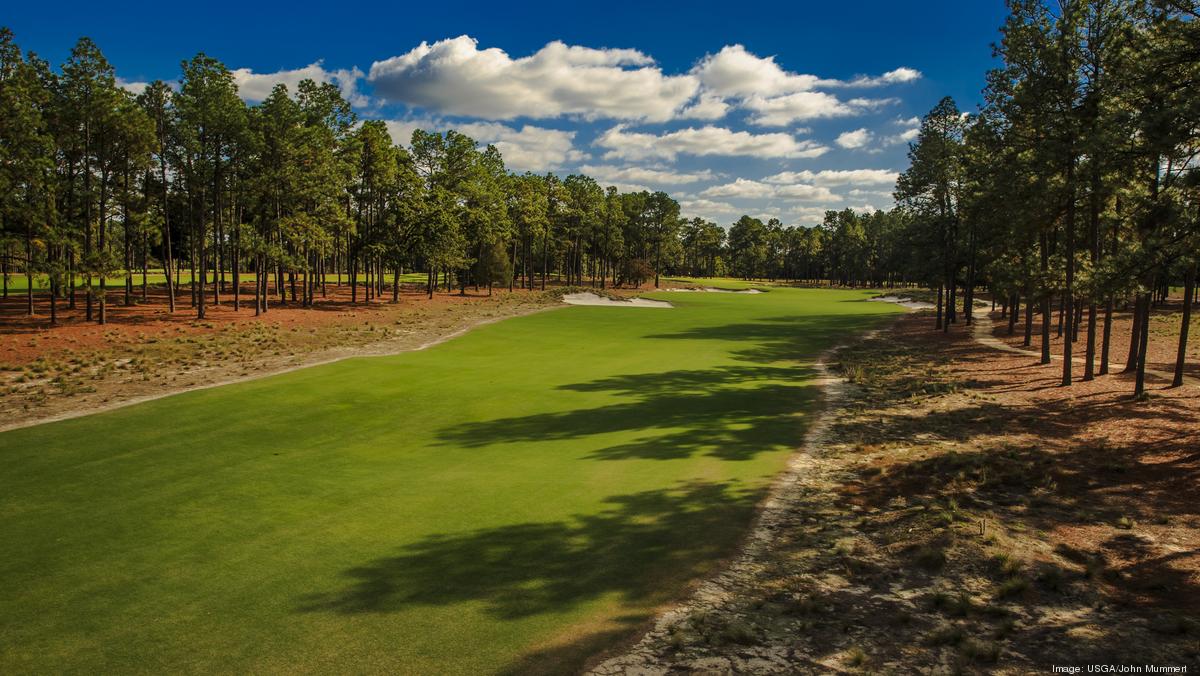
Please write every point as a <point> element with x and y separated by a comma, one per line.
<point>730,283</point>
<point>509,501</point>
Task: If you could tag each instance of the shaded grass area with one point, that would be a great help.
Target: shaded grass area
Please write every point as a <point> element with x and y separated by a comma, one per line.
<point>510,501</point>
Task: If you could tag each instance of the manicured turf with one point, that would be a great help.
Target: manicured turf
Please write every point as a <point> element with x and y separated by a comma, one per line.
<point>511,500</point>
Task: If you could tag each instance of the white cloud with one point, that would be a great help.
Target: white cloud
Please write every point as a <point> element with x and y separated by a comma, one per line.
<point>455,77</point>
<point>874,194</point>
<point>779,111</point>
<point>898,76</point>
<point>816,215</point>
<point>908,122</point>
<point>135,88</point>
<point>402,130</point>
<point>906,136</point>
<point>708,107</point>
<point>709,210</point>
<point>743,188</point>
<point>530,148</point>
<point>735,72</point>
<point>704,141</point>
<point>854,139</point>
<point>255,87</point>
<point>643,175</point>
<point>809,215</point>
<point>778,97</point>
<point>836,177</point>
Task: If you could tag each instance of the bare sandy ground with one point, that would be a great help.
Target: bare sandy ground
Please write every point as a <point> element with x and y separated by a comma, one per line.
<point>904,302</point>
<point>593,299</point>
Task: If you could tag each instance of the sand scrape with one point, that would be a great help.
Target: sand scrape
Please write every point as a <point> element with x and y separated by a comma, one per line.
<point>593,299</point>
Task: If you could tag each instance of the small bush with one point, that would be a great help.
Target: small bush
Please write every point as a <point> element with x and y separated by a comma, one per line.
<point>947,634</point>
<point>1012,588</point>
<point>976,650</point>
<point>931,558</point>
<point>856,657</point>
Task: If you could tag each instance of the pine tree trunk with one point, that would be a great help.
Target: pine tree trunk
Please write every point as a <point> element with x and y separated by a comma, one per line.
<point>1106,341</point>
<point>1028,342</point>
<point>1189,290</point>
<point>1134,336</point>
<point>1046,315</point>
<point>1143,343</point>
<point>938,321</point>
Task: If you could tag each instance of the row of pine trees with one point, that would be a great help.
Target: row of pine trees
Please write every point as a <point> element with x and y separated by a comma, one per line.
<point>1074,190</point>
<point>100,186</point>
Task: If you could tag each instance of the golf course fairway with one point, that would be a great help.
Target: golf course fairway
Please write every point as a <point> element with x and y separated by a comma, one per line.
<point>512,500</point>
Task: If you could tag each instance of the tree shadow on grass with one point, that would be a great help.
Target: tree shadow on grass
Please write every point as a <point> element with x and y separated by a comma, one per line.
<point>644,547</point>
<point>731,413</point>
<point>785,338</point>
<point>728,412</point>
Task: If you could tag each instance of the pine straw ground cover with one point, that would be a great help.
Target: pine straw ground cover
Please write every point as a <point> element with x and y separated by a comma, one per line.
<point>965,514</point>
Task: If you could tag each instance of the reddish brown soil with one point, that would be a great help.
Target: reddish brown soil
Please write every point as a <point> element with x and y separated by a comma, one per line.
<point>24,338</point>
<point>1163,347</point>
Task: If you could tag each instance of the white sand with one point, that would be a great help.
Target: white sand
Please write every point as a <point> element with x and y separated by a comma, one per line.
<point>904,302</point>
<point>593,299</point>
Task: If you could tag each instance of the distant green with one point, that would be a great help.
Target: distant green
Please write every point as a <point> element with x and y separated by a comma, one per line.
<point>510,501</point>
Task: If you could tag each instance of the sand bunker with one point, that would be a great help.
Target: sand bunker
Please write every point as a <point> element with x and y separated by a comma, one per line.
<point>710,289</point>
<point>593,299</point>
<point>904,302</point>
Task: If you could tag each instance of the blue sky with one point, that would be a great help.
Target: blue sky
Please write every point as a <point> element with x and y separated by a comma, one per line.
<point>738,107</point>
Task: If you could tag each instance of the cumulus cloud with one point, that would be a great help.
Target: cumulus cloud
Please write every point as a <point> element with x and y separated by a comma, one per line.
<point>644,176</point>
<point>815,215</point>
<point>778,111</point>
<point>735,72</point>
<point>778,97</point>
<point>710,210</point>
<point>134,88</point>
<point>529,148</point>
<point>708,107</point>
<point>898,76</point>
<point>704,141</point>
<point>912,130</point>
<point>255,87</point>
<point>455,77</point>
<point>743,188</point>
<point>854,139</point>
<point>836,177</point>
